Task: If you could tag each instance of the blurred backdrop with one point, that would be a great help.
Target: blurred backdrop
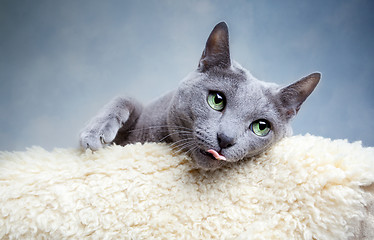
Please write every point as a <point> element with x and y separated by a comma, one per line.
<point>61,61</point>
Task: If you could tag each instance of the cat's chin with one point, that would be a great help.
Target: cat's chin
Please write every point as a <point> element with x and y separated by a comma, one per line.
<point>206,161</point>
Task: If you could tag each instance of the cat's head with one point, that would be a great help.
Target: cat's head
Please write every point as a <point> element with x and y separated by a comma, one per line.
<point>221,113</point>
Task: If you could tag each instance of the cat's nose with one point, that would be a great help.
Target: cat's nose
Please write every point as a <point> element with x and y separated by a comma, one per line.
<point>225,141</point>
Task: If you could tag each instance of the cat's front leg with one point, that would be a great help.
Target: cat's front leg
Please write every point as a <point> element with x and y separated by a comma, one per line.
<point>103,128</point>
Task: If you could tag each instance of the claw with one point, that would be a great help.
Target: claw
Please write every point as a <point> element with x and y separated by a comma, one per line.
<point>102,140</point>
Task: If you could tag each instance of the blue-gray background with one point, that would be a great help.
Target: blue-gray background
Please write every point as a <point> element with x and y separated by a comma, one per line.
<point>60,61</point>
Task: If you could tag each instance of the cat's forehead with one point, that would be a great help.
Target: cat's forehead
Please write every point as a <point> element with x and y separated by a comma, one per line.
<point>232,74</point>
<point>236,81</point>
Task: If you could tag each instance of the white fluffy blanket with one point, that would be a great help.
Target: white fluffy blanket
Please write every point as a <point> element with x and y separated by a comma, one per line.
<point>305,187</point>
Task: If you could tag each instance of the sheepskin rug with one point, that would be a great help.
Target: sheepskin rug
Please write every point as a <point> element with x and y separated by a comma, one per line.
<point>305,187</point>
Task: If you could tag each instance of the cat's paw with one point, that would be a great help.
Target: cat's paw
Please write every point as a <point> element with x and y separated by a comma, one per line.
<point>100,134</point>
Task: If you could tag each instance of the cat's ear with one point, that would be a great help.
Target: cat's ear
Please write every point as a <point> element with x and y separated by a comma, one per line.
<point>292,96</point>
<point>216,52</point>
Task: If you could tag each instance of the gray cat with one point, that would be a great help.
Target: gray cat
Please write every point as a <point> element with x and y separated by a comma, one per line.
<point>220,113</point>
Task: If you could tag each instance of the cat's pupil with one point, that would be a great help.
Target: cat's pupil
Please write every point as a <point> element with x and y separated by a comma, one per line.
<point>262,125</point>
<point>218,99</point>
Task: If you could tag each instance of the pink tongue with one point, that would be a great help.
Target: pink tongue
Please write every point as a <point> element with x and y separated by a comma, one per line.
<point>216,154</point>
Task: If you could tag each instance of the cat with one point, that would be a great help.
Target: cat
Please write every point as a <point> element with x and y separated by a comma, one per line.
<point>219,113</point>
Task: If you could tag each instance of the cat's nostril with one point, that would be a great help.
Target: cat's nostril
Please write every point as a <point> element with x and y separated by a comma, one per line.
<point>225,141</point>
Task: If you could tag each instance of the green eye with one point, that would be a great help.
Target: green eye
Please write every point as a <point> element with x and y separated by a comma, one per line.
<point>260,127</point>
<point>216,100</point>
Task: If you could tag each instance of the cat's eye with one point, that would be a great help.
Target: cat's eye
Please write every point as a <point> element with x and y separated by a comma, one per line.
<point>216,100</point>
<point>260,127</point>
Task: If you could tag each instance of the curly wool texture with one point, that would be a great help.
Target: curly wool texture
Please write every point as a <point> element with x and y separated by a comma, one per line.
<point>305,187</point>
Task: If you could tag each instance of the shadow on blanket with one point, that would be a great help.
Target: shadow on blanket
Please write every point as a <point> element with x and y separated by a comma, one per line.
<point>305,187</point>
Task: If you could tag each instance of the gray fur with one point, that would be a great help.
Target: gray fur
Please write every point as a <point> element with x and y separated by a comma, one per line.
<point>184,119</point>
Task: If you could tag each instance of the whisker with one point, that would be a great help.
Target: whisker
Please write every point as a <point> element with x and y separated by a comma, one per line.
<point>185,140</point>
<point>182,133</point>
<point>172,130</point>
<point>166,127</point>
<point>184,146</point>
<point>192,149</point>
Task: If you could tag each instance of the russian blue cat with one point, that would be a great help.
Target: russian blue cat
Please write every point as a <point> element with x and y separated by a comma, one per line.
<point>220,113</point>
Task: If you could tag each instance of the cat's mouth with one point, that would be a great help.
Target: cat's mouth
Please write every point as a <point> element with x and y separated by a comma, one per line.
<point>214,155</point>
<point>209,159</point>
